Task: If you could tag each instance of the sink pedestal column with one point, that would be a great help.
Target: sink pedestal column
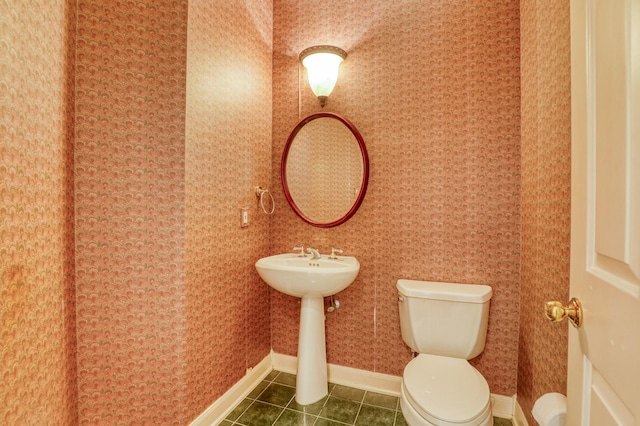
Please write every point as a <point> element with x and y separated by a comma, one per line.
<point>311,380</point>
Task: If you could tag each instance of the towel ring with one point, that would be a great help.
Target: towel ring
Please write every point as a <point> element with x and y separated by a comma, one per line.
<point>260,193</point>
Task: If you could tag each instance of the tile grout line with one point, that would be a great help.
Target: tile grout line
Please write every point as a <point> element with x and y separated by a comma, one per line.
<point>317,417</point>
<point>235,421</point>
<point>283,408</point>
<point>323,405</point>
<point>364,397</point>
<point>355,420</point>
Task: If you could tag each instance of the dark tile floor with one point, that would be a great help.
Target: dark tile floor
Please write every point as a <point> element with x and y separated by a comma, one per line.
<point>272,403</point>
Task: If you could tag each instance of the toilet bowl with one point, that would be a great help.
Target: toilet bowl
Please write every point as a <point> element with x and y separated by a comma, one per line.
<point>446,324</point>
<point>444,391</point>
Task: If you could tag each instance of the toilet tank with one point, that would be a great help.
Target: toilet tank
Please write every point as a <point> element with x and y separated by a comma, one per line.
<point>444,319</point>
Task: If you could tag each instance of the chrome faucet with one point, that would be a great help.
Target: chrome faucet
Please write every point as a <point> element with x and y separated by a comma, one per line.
<point>314,253</point>
<point>335,252</point>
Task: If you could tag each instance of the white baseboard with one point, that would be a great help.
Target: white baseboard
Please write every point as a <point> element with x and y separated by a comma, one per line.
<point>361,379</point>
<point>217,411</point>
<point>519,419</point>
<point>502,406</point>
<point>284,363</point>
<point>367,380</point>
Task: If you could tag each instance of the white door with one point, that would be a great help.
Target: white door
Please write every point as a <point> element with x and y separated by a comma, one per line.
<point>604,354</point>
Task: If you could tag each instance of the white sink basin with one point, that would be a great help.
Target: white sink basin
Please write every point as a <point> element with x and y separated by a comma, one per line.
<point>311,280</point>
<point>303,276</point>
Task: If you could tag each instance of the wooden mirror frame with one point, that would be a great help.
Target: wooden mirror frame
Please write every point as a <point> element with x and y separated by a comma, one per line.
<point>365,170</point>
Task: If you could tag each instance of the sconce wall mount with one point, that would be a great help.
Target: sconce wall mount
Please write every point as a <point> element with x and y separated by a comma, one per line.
<point>322,64</point>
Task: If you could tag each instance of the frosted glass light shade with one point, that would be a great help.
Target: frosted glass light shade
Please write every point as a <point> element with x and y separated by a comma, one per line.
<point>322,64</point>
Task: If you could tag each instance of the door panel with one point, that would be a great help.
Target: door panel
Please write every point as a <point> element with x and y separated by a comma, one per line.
<point>604,354</point>
<point>606,406</point>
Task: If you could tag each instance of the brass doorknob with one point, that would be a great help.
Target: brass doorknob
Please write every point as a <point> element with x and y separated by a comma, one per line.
<point>554,311</point>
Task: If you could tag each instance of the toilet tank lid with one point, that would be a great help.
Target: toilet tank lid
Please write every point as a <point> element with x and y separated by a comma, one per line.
<point>473,293</point>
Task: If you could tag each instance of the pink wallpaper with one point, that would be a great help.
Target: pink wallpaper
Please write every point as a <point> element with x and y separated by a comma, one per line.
<point>228,152</point>
<point>546,177</point>
<point>174,128</point>
<point>167,297</point>
<point>434,88</point>
<point>174,133</point>
<point>130,191</point>
<point>37,300</point>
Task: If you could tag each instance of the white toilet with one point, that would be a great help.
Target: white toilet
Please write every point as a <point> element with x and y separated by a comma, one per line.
<point>446,324</point>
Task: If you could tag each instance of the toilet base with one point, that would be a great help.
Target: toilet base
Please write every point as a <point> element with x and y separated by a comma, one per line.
<point>413,418</point>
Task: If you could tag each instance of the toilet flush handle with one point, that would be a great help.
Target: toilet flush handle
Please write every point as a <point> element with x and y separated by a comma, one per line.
<point>400,299</point>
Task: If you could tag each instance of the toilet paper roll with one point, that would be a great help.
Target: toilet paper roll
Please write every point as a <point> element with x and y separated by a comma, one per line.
<point>550,409</point>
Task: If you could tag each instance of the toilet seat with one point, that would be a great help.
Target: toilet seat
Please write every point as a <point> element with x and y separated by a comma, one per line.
<point>446,391</point>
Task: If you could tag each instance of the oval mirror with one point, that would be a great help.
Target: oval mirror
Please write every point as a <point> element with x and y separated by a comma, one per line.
<point>325,169</point>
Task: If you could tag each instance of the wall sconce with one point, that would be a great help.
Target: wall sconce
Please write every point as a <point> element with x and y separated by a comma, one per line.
<point>322,64</point>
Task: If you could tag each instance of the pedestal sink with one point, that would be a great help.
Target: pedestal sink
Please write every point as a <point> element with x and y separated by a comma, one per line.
<point>311,280</point>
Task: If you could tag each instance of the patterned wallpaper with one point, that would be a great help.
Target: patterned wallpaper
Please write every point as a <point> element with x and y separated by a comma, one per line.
<point>228,152</point>
<point>37,354</point>
<point>546,178</point>
<point>129,172</point>
<point>434,88</point>
<point>170,144</point>
<point>167,296</point>
<point>173,135</point>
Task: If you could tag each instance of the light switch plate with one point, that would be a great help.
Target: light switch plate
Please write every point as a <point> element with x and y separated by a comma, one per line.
<point>245,217</point>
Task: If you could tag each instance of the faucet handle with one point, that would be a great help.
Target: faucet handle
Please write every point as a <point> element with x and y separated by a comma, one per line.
<point>300,251</point>
<point>333,253</point>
